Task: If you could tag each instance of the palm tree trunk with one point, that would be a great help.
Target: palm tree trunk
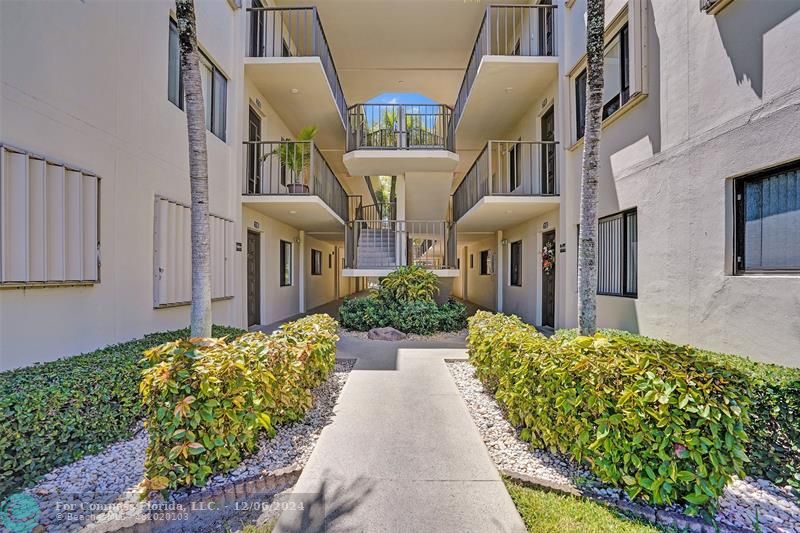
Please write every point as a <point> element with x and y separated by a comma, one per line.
<point>587,239</point>
<point>198,168</point>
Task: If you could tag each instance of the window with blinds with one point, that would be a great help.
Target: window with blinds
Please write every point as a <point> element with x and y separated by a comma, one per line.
<point>617,255</point>
<point>213,81</point>
<point>172,255</point>
<point>768,221</point>
<point>49,221</point>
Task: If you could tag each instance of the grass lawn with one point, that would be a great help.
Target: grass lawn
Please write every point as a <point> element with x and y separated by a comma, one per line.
<point>546,511</point>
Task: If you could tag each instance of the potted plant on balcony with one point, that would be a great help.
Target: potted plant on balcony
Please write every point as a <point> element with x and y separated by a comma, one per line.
<point>295,159</point>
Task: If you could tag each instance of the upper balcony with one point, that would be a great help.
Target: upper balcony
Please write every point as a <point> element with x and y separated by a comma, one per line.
<point>291,182</point>
<point>513,60</point>
<point>510,182</point>
<point>390,139</point>
<point>290,63</point>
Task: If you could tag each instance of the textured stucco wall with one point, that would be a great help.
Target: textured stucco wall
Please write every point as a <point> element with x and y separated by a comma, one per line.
<point>723,100</point>
<point>94,94</point>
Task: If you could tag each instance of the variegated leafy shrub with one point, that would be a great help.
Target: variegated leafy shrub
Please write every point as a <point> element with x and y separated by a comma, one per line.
<point>655,419</point>
<point>208,400</point>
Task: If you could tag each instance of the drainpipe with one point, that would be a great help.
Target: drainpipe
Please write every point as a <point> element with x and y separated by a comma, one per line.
<point>301,269</point>
<point>499,271</point>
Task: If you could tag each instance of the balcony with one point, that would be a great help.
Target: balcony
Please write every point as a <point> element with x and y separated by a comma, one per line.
<point>513,61</point>
<point>391,139</point>
<point>510,182</point>
<point>291,182</point>
<point>290,63</point>
<point>376,247</point>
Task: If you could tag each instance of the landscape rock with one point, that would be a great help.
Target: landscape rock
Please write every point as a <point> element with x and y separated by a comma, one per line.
<point>385,334</point>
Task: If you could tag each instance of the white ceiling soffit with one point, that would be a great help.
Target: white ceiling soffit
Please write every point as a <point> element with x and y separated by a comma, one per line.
<point>400,45</point>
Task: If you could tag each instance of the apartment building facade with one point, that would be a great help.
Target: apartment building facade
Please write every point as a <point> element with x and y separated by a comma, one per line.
<point>699,186</point>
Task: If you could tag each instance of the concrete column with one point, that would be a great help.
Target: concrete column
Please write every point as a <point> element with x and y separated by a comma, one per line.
<point>301,272</point>
<point>401,237</point>
<point>499,270</point>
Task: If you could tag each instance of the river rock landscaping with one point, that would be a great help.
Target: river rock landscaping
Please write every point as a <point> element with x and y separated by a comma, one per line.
<point>746,504</point>
<point>112,477</point>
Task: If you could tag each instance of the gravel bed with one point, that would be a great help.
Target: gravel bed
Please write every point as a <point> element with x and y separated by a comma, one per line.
<point>776,508</point>
<point>108,480</point>
<point>444,335</point>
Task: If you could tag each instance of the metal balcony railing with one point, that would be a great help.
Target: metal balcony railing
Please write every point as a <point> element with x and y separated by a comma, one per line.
<point>393,243</point>
<point>294,32</point>
<point>400,126</point>
<point>509,30</point>
<point>288,167</point>
<point>512,168</point>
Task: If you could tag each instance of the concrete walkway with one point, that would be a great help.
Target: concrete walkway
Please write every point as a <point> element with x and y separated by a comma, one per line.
<point>402,453</point>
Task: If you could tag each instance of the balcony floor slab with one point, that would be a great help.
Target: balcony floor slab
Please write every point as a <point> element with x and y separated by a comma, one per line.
<point>504,90</point>
<point>390,162</point>
<point>313,103</point>
<point>382,272</point>
<point>492,213</point>
<point>303,211</point>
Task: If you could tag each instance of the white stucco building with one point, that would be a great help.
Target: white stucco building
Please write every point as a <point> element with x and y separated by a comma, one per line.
<point>699,187</point>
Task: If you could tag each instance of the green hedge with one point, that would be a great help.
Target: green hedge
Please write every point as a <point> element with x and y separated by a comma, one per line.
<point>53,414</point>
<point>654,419</point>
<point>774,425</point>
<point>207,400</point>
<point>417,316</point>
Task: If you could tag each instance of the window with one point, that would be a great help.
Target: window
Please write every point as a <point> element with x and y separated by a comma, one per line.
<point>316,263</point>
<point>172,255</point>
<point>175,82</point>
<point>330,261</point>
<point>471,262</point>
<point>286,263</point>
<point>768,221</point>
<point>617,254</point>
<point>214,83</point>
<point>49,221</point>
<point>616,81</point>
<point>485,263</point>
<point>515,278</point>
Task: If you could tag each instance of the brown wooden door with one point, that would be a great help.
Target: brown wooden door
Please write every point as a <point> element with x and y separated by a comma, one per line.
<point>253,278</point>
<point>548,153</point>
<point>549,285</point>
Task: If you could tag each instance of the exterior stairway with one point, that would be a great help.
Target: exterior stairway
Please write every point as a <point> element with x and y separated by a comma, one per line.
<point>376,247</point>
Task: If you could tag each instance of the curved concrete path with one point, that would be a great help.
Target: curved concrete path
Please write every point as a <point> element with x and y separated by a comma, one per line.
<point>402,453</point>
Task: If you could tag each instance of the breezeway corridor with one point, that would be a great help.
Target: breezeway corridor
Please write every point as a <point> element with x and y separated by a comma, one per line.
<point>402,453</point>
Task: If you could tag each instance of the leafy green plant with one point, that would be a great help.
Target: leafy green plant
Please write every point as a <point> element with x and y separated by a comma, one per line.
<point>362,314</point>
<point>55,413</point>
<point>207,400</point>
<point>422,317</point>
<point>773,428</point>
<point>295,156</point>
<point>452,316</point>
<point>656,419</point>
<point>409,283</point>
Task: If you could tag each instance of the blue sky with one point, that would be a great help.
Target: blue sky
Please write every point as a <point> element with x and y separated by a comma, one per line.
<point>401,98</point>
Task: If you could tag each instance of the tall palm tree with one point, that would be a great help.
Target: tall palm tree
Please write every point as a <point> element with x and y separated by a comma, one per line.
<point>587,239</point>
<point>198,168</point>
